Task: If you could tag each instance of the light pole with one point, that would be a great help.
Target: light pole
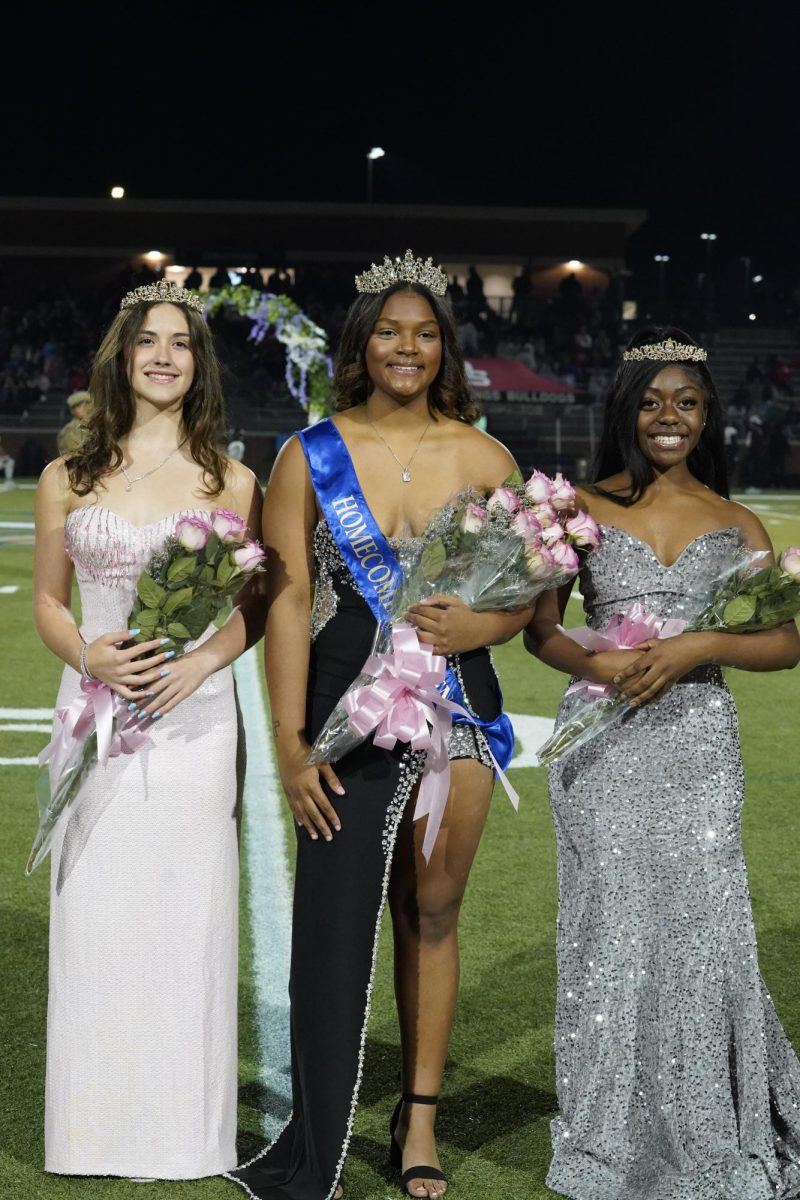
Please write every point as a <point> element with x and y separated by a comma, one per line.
<point>662,260</point>
<point>708,238</point>
<point>375,152</point>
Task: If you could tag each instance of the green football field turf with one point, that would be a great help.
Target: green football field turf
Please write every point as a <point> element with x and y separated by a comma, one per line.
<point>498,1095</point>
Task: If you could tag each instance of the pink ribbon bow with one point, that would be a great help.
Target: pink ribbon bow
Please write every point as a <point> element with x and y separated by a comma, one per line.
<point>625,631</point>
<point>94,708</point>
<point>403,704</point>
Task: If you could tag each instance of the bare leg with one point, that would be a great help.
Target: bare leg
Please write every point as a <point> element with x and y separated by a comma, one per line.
<point>425,901</point>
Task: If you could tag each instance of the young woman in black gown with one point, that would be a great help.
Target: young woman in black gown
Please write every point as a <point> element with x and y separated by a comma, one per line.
<point>404,418</point>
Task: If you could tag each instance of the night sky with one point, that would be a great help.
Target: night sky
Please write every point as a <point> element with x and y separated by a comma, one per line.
<point>687,111</point>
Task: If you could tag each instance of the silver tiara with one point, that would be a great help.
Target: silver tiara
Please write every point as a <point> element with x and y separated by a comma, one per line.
<point>407,269</point>
<point>667,351</point>
<point>162,292</point>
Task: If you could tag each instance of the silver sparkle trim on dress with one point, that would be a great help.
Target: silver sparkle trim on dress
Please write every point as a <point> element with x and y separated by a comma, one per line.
<point>162,292</point>
<point>407,269</point>
<point>404,467</point>
<point>666,351</point>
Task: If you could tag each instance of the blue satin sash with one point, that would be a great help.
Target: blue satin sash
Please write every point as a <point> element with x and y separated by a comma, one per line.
<point>371,560</point>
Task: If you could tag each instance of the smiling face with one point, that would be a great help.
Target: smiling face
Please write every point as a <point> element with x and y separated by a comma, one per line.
<point>671,417</point>
<point>161,365</point>
<point>404,351</point>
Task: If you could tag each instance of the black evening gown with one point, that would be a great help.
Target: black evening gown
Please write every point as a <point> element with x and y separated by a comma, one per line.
<point>340,892</point>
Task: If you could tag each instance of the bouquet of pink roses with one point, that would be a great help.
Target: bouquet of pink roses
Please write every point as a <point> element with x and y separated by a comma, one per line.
<point>745,598</point>
<point>181,592</point>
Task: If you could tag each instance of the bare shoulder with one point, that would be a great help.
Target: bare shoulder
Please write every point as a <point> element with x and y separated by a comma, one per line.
<point>487,460</point>
<point>240,479</point>
<point>739,516</point>
<point>54,488</point>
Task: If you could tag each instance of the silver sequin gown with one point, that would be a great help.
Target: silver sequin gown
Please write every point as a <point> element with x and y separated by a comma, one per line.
<point>675,1079</point>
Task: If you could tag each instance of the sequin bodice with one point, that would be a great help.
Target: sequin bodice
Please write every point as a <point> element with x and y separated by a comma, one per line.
<point>109,553</point>
<point>624,569</point>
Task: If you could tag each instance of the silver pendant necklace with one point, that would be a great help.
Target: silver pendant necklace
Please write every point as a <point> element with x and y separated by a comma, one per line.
<point>404,467</point>
<point>132,479</point>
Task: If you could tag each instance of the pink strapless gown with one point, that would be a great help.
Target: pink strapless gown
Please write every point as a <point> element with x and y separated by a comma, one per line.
<point>141,1030</point>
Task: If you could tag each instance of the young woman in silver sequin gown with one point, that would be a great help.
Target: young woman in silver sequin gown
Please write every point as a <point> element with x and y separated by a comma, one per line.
<point>404,409</point>
<point>675,1079</point>
<point>141,1034</point>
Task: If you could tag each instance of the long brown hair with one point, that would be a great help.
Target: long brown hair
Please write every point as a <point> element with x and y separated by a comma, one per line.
<point>449,393</point>
<point>114,406</point>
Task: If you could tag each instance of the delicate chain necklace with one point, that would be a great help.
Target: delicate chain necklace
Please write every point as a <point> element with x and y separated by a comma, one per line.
<point>132,479</point>
<point>405,467</point>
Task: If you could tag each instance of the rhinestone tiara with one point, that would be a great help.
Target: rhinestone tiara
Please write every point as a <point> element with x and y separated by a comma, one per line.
<point>162,292</point>
<point>667,351</point>
<point>407,269</point>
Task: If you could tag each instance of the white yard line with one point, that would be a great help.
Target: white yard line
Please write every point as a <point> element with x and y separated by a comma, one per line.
<point>270,892</point>
<point>531,732</point>
<point>19,762</point>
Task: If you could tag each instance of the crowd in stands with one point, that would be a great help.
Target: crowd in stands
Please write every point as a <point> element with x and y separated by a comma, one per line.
<point>46,348</point>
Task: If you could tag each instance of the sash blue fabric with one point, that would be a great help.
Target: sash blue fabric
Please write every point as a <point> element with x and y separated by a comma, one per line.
<point>370,558</point>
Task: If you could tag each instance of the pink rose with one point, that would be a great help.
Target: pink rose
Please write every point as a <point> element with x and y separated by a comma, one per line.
<point>582,531</point>
<point>539,487</point>
<point>545,513</point>
<point>473,519</point>
<point>227,525</point>
<point>248,556</point>
<point>790,561</point>
<point>563,494</point>
<point>539,561</point>
<point>192,532</point>
<point>552,532</point>
<point>527,526</point>
<point>505,498</point>
<point>564,556</point>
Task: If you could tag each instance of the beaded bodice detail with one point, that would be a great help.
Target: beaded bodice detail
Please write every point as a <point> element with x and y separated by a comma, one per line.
<point>332,573</point>
<point>109,553</point>
<point>624,568</point>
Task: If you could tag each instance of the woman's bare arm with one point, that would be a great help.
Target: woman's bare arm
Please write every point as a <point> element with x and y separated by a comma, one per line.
<point>289,518</point>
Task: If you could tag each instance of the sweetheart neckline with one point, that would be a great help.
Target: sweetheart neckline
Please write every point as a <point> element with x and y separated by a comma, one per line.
<point>179,512</point>
<point>687,547</point>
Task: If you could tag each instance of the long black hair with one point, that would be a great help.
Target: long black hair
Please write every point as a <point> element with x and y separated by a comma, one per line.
<point>619,448</point>
<point>449,393</point>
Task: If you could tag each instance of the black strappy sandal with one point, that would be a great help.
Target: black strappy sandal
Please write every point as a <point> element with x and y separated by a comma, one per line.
<point>396,1153</point>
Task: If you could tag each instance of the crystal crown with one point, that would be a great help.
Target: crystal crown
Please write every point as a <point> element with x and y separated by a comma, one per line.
<point>162,292</point>
<point>407,269</point>
<point>667,351</point>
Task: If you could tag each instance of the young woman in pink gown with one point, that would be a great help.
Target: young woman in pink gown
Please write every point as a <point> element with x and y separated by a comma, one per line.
<point>141,1041</point>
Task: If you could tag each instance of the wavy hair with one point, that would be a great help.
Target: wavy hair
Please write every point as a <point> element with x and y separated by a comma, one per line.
<point>619,448</point>
<point>449,393</point>
<point>114,405</point>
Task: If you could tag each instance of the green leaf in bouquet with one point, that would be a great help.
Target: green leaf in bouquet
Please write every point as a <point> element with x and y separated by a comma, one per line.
<point>224,570</point>
<point>150,593</point>
<point>146,620</point>
<point>206,575</point>
<point>176,629</point>
<point>433,560</point>
<point>212,548</point>
<point>176,600</point>
<point>181,568</point>
<point>515,479</point>
<point>739,611</point>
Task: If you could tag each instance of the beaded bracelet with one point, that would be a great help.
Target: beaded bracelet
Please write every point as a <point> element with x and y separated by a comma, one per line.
<point>85,672</point>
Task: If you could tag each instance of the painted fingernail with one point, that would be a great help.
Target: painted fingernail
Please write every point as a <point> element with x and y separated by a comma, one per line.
<point>151,694</point>
<point>156,715</point>
<point>164,672</point>
<point>170,654</point>
<point>132,706</point>
<point>133,632</point>
<point>338,828</point>
<point>328,837</point>
<point>141,714</point>
<point>339,790</point>
<point>165,640</point>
